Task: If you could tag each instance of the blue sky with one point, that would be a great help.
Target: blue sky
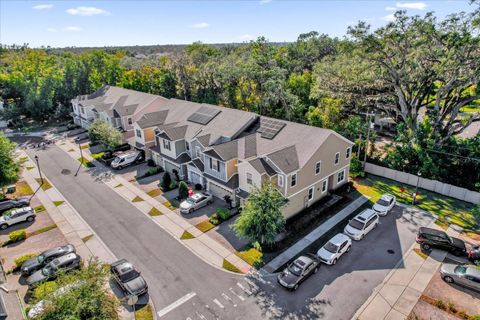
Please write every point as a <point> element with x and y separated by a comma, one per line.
<point>109,23</point>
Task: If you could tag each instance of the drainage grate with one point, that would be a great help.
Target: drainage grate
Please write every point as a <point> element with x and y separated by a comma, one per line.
<point>390,251</point>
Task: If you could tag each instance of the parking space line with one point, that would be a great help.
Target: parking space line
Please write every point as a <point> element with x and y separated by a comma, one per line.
<point>218,303</point>
<point>176,304</point>
<point>237,295</point>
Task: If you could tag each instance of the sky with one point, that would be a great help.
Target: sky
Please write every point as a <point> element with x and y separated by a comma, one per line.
<point>117,23</point>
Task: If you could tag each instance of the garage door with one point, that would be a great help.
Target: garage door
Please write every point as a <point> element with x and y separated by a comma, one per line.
<point>170,167</point>
<point>220,192</point>
<point>194,177</point>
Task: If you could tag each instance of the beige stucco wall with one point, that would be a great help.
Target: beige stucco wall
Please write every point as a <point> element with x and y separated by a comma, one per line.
<point>231,168</point>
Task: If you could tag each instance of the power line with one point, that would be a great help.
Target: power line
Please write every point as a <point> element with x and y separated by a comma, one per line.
<point>452,154</point>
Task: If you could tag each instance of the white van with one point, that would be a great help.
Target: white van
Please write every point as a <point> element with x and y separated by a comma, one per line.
<point>126,158</point>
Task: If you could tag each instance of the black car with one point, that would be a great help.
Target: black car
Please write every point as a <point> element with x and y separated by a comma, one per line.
<point>474,254</point>
<point>429,238</point>
<point>299,270</point>
<point>49,272</point>
<point>128,278</point>
<point>7,204</point>
<point>38,262</point>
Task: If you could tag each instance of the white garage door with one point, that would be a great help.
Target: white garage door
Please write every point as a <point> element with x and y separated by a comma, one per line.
<point>194,177</point>
<point>170,167</point>
<point>219,192</point>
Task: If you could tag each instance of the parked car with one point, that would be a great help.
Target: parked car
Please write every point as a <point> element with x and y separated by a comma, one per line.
<point>474,254</point>
<point>432,238</point>
<point>49,272</point>
<point>16,216</point>
<point>298,271</point>
<point>363,223</point>
<point>465,276</point>
<point>38,262</point>
<point>125,159</point>
<point>7,204</point>
<point>196,201</point>
<point>383,205</point>
<point>128,278</point>
<point>334,249</point>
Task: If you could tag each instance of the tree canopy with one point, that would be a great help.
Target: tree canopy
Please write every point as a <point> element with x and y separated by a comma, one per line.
<point>9,166</point>
<point>104,133</point>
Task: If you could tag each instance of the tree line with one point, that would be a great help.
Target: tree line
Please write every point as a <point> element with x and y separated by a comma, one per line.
<point>420,71</point>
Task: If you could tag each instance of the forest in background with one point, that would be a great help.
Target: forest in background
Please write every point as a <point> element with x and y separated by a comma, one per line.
<point>421,71</point>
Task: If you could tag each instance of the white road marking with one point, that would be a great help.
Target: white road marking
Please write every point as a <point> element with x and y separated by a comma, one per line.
<point>201,316</point>
<point>244,289</point>
<point>258,277</point>
<point>188,318</point>
<point>236,294</point>
<point>175,304</point>
<point>218,303</point>
<point>229,299</point>
<point>250,282</point>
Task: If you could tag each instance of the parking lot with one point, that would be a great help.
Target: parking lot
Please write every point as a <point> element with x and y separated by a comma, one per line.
<point>336,292</point>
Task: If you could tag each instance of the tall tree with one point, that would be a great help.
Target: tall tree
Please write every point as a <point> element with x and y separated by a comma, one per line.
<point>104,133</point>
<point>9,167</point>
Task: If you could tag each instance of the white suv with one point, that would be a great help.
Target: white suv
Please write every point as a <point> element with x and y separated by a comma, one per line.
<point>16,216</point>
<point>362,224</point>
<point>384,204</point>
<point>334,249</point>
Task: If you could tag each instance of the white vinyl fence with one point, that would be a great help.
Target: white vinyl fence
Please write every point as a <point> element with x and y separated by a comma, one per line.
<point>427,184</point>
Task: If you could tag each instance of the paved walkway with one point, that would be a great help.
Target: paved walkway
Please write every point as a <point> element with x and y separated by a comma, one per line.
<point>202,245</point>
<point>321,230</point>
<point>396,297</point>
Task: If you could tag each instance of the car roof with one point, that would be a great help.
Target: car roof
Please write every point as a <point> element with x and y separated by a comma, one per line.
<point>56,250</point>
<point>387,197</point>
<point>303,260</point>
<point>431,231</point>
<point>338,239</point>
<point>21,209</point>
<point>124,267</point>
<point>365,215</point>
<point>196,196</point>
<point>473,271</point>
<point>65,258</point>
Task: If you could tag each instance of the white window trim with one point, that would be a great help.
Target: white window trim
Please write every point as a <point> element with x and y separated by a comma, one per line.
<point>197,152</point>
<point>313,193</point>
<point>165,143</point>
<point>138,133</point>
<point>320,168</point>
<point>348,153</point>
<point>338,174</point>
<point>291,180</point>
<point>251,178</point>
<point>326,185</point>
<point>337,156</point>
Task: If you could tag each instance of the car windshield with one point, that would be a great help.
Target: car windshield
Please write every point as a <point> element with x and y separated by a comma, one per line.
<point>117,159</point>
<point>295,269</point>
<point>382,203</point>
<point>356,224</point>
<point>132,274</point>
<point>190,201</point>
<point>460,269</point>
<point>40,258</point>
<point>48,270</point>
<point>7,216</point>
<point>330,247</point>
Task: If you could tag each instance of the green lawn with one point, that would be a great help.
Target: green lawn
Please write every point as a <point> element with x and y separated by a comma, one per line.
<point>251,256</point>
<point>22,189</point>
<point>186,235</point>
<point>230,267</point>
<point>458,211</point>
<point>86,163</point>
<point>46,185</point>
<point>154,212</point>
<point>205,225</point>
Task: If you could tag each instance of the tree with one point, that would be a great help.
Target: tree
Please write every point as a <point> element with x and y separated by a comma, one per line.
<point>87,298</point>
<point>104,133</point>
<point>182,190</point>
<point>9,168</point>
<point>166,181</point>
<point>261,219</point>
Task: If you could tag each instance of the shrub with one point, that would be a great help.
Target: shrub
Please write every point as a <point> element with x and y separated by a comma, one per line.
<point>20,260</point>
<point>182,190</point>
<point>440,304</point>
<point>452,307</point>
<point>98,156</point>
<point>223,213</point>
<point>256,245</point>
<point>18,235</point>
<point>152,171</point>
<point>166,181</point>
<point>43,289</point>
<point>214,219</point>
<point>463,315</point>
<point>198,186</point>
<point>356,169</point>
<point>150,163</point>
<point>173,185</point>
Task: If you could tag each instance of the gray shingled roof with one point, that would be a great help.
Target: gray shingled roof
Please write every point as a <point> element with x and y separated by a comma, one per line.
<point>204,140</point>
<point>285,159</point>
<point>262,166</point>
<point>224,151</point>
<point>231,184</point>
<point>152,119</point>
<point>199,164</point>
<point>183,158</point>
<point>175,133</point>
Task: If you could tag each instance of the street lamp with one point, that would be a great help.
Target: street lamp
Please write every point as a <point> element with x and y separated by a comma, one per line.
<point>77,140</point>
<point>38,167</point>
<point>419,174</point>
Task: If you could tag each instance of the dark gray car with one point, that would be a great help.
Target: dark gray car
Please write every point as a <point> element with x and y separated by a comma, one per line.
<point>50,271</point>
<point>38,262</point>
<point>463,275</point>
<point>7,204</point>
<point>298,271</point>
<point>128,278</point>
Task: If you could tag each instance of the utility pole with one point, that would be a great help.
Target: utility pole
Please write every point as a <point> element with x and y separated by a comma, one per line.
<point>81,156</point>
<point>39,171</point>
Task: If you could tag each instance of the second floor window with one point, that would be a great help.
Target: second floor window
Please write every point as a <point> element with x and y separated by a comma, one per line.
<point>82,109</point>
<point>317,167</point>
<point>293,183</point>
<point>347,155</point>
<point>197,152</point>
<point>166,145</point>
<point>249,178</point>
<point>337,158</point>
<point>139,133</point>
<point>280,180</point>
<point>214,164</point>
<point>130,121</point>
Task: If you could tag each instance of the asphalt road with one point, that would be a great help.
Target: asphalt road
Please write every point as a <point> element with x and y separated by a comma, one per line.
<point>199,291</point>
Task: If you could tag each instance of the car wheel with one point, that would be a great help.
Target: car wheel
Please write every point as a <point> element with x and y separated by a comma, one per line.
<point>448,279</point>
<point>4,226</point>
<point>426,246</point>
<point>348,248</point>
<point>295,287</point>
<point>209,202</point>
<point>190,211</point>
<point>315,270</point>
<point>476,261</point>
<point>375,225</point>
<point>30,219</point>
<point>362,236</point>
<point>334,262</point>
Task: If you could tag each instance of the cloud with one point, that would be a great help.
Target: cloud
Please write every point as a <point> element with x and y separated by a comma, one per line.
<point>43,6</point>
<point>52,30</point>
<point>200,25</point>
<point>246,37</point>
<point>265,1</point>
<point>87,11</point>
<point>411,5</point>
<point>72,29</point>
<point>391,8</point>
<point>389,17</point>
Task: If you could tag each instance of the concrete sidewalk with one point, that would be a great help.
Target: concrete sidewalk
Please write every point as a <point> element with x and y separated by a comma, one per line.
<point>396,297</point>
<point>321,230</point>
<point>202,245</point>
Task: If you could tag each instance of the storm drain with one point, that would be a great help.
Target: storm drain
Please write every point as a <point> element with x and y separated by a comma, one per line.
<point>390,251</point>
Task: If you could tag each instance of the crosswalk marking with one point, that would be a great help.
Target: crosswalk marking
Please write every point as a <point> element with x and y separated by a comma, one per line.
<point>175,304</point>
<point>201,316</point>
<point>229,299</point>
<point>218,303</point>
<point>244,289</point>
<point>250,282</point>
<point>236,294</point>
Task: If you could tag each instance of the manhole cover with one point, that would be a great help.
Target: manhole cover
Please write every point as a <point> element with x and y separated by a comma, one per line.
<point>66,171</point>
<point>390,251</point>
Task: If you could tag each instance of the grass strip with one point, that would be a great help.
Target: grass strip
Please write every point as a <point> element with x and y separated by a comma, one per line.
<point>46,184</point>
<point>205,226</point>
<point>86,163</point>
<point>155,192</point>
<point>58,203</point>
<point>154,212</point>
<point>39,208</point>
<point>137,199</point>
<point>186,235</point>
<point>86,238</point>
<point>144,313</point>
<point>230,267</point>
<point>41,230</point>
<point>251,256</point>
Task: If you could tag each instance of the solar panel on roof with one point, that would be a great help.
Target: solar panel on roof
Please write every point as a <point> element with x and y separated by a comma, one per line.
<point>269,128</point>
<point>203,115</point>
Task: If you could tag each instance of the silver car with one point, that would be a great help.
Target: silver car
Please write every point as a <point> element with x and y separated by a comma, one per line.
<point>334,249</point>
<point>196,201</point>
<point>16,216</point>
<point>463,275</point>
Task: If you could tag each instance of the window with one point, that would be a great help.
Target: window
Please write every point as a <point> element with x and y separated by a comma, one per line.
<point>347,155</point>
<point>82,109</point>
<point>249,178</point>
<point>337,157</point>
<point>166,145</point>
<point>214,164</point>
<point>317,167</point>
<point>293,183</point>
<point>310,194</point>
<point>197,151</point>
<point>324,186</point>
<point>280,180</point>
<point>129,121</point>
<point>187,146</point>
<point>139,133</point>
<point>341,176</point>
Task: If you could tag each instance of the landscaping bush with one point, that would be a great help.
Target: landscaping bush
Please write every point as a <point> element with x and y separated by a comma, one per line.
<point>166,181</point>
<point>198,186</point>
<point>356,169</point>
<point>214,219</point>
<point>151,172</point>
<point>223,213</point>
<point>182,190</point>
<point>18,235</point>
<point>20,260</point>
<point>173,185</point>
<point>98,156</point>
<point>150,163</point>
<point>440,305</point>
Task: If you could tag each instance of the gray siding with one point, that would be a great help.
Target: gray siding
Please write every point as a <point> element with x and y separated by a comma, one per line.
<point>220,174</point>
